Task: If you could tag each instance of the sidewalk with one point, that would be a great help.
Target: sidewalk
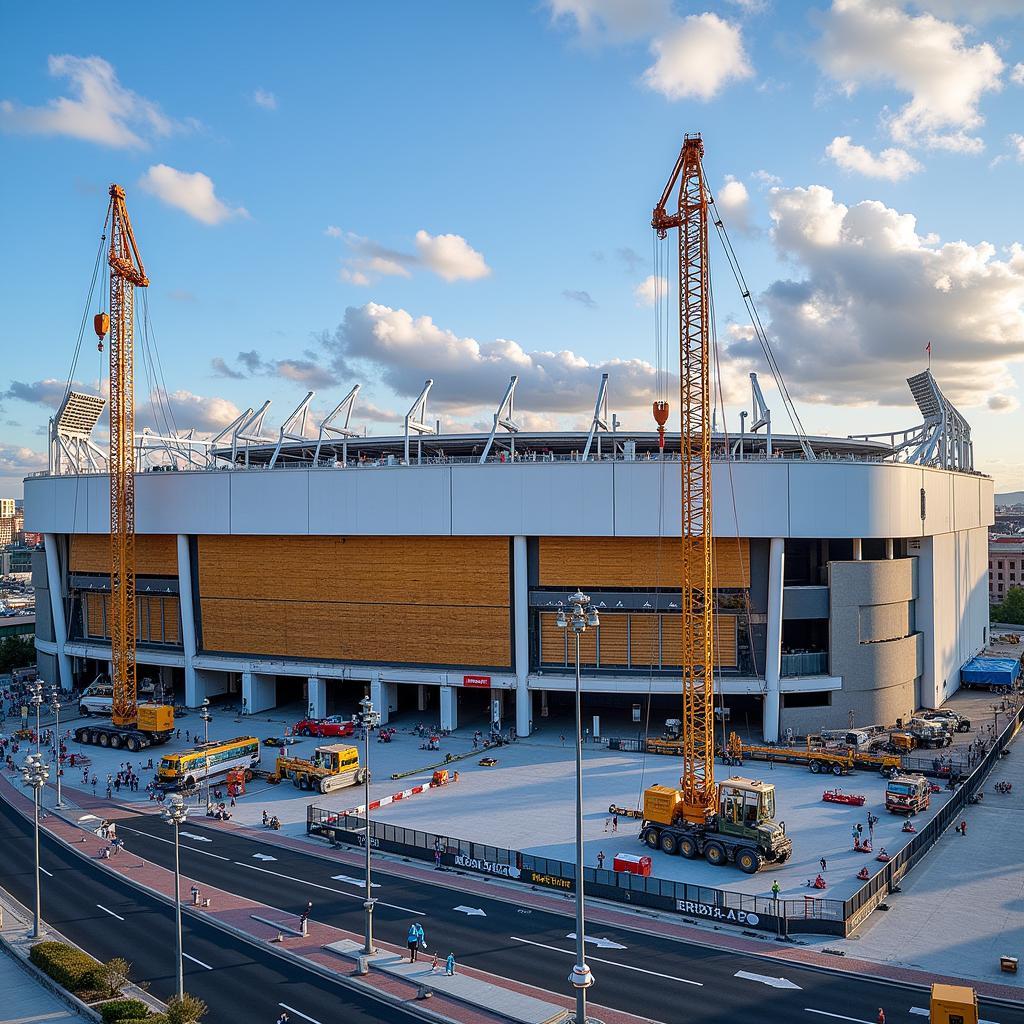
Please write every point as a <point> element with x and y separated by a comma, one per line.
<point>236,915</point>
<point>806,953</point>
<point>25,999</point>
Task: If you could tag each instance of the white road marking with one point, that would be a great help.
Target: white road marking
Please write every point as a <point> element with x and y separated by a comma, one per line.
<point>196,960</point>
<point>766,979</point>
<point>263,856</point>
<point>327,888</point>
<point>299,1013</point>
<point>45,872</point>
<point>170,842</point>
<point>614,963</point>
<point>600,943</point>
<point>837,1016</point>
<point>110,912</point>
<point>470,911</point>
<point>198,839</point>
<point>922,1012</point>
<point>355,881</point>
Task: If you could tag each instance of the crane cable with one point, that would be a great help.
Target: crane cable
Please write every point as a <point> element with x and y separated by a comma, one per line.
<point>88,305</point>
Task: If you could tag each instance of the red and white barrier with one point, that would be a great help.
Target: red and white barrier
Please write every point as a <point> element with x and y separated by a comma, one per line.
<point>383,802</point>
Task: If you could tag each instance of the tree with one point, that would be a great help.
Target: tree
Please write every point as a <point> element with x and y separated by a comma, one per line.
<point>1011,611</point>
<point>16,652</point>
<point>113,976</point>
<point>185,1010</point>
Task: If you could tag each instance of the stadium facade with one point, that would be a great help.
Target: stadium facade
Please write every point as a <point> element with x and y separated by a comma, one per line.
<point>427,569</point>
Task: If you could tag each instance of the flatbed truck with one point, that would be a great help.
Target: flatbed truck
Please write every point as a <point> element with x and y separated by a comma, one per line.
<point>154,725</point>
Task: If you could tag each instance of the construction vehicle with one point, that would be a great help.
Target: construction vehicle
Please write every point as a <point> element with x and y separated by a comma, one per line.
<point>154,724</point>
<point>930,734</point>
<point>908,794</point>
<point>818,756</point>
<point>332,766</point>
<point>133,726</point>
<point>946,716</point>
<point>731,822</point>
<point>741,829</point>
<point>953,1004</point>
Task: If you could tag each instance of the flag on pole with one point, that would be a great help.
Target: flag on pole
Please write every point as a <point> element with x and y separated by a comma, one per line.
<point>928,349</point>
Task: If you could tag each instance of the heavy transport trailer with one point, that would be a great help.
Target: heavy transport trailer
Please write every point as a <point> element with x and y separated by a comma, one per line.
<point>819,759</point>
<point>154,725</point>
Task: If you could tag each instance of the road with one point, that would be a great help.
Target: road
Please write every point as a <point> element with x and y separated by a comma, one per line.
<point>109,918</point>
<point>635,972</point>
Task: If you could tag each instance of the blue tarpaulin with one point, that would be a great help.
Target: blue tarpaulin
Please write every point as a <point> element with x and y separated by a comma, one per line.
<point>991,671</point>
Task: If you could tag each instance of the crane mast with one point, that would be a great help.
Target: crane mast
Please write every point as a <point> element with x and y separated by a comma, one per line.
<point>690,217</point>
<point>126,274</point>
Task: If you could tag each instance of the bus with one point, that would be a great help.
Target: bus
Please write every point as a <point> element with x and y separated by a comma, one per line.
<point>208,760</point>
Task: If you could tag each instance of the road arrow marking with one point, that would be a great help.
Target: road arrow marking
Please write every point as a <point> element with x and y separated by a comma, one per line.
<point>355,881</point>
<point>198,839</point>
<point>764,979</point>
<point>613,963</point>
<point>600,943</point>
<point>471,911</point>
<point>263,856</point>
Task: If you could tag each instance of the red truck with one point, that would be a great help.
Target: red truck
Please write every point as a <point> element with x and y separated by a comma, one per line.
<point>334,725</point>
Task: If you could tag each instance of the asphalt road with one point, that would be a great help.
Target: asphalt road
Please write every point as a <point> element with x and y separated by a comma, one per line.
<point>237,980</point>
<point>643,974</point>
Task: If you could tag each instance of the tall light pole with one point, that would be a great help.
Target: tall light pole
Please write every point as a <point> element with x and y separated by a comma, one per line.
<point>207,718</point>
<point>35,773</point>
<point>175,814</point>
<point>370,719</point>
<point>55,708</point>
<point>581,615</point>
<point>36,700</point>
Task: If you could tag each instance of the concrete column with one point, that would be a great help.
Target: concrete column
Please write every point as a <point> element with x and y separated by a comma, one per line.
<point>449,707</point>
<point>379,696</point>
<point>858,549</point>
<point>421,697</point>
<point>259,691</point>
<point>773,642</point>
<point>888,547</point>
<point>317,697</point>
<point>193,698</point>
<point>55,581</point>
<point>521,618</point>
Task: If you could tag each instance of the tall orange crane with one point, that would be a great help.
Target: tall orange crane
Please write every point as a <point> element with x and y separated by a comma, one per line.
<point>690,217</point>
<point>126,274</point>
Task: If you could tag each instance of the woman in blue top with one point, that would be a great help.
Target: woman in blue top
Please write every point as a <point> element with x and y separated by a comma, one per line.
<point>416,939</point>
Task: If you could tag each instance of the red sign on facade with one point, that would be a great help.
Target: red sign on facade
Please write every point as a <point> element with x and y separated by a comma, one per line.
<point>483,682</point>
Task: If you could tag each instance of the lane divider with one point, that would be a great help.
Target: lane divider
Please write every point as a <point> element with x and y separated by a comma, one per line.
<point>110,912</point>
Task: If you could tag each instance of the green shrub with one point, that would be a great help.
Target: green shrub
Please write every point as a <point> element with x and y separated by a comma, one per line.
<point>69,967</point>
<point>186,1009</point>
<point>123,1010</point>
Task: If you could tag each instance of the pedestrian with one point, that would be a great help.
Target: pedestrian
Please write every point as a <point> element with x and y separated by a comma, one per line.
<point>449,965</point>
<point>233,800</point>
<point>881,1016</point>
<point>963,829</point>
<point>563,739</point>
<point>284,1018</point>
<point>607,824</point>
<point>266,817</point>
<point>600,858</point>
<point>437,858</point>
<point>187,740</point>
<point>416,939</point>
<point>615,823</point>
<point>823,863</point>
<point>586,735</point>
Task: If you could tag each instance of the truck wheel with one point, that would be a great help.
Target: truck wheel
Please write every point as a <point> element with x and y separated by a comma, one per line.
<point>687,848</point>
<point>837,769</point>
<point>815,767</point>
<point>304,782</point>
<point>104,740</point>
<point>361,776</point>
<point>81,735</point>
<point>115,741</point>
<point>84,712</point>
<point>190,782</point>
<point>749,861</point>
<point>651,838</point>
<point>249,775</point>
<point>714,853</point>
<point>669,844</point>
<point>132,743</point>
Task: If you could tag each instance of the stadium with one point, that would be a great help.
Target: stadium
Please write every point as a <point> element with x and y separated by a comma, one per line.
<point>315,564</point>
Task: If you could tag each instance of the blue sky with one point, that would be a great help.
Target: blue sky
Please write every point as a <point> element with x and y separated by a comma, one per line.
<point>384,193</point>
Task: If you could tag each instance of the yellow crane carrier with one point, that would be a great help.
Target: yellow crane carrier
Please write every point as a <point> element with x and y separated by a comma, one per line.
<point>332,766</point>
<point>818,758</point>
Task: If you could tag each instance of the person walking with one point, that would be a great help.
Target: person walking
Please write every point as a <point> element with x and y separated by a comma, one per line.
<point>881,1016</point>
<point>615,823</point>
<point>284,1018</point>
<point>600,858</point>
<point>449,965</point>
<point>416,939</point>
<point>823,863</point>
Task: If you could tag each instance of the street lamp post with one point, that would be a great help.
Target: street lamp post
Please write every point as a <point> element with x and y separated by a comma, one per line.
<point>370,719</point>
<point>581,615</point>
<point>35,773</point>
<point>207,718</point>
<point>55,708</point>
<point>175,814</point>
<point>36,700</point>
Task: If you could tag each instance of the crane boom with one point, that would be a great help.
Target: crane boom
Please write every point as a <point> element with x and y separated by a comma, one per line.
<point>126,274</point>
<point>690,217</point>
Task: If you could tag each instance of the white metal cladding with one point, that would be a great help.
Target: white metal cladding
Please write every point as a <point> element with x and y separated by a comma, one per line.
<point>778,498</point>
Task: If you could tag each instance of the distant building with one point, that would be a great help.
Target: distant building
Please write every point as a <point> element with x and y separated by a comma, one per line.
<point>12,527</point>
<point>1005,566</point>
<point>7,507</point>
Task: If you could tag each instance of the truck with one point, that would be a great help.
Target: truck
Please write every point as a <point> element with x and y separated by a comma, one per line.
<point>740,830</point>
<point>154,725</point>
<point>332,766</point>
<point>833,757</point>
<point>907,794</point>
<point>953,1004</point>
<point>930,734</point>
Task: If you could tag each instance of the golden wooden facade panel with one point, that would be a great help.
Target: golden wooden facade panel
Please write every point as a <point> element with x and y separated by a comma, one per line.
<point>156,554</point>
<point>636,562</point>
<point>156,617</point>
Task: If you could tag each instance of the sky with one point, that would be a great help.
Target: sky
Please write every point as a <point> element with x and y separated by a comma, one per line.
<point>382,193</point>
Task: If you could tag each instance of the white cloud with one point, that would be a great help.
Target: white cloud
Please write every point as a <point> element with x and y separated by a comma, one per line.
<point>18,460</point>
<point>976,10</point>
<point>1002,403</point>
<point>333,231</point>
<point>733,202</point>
<point>584,298</point>
<point>873,292</point>
<point>1017,74</point>
<point>873,42</point>
<point>265,99</point>
<point>697,57</point>
<point>451,257</point>
<point>766,178</point>
<point>207,414</point>
<point>647,292</point>
<point>1017,142</point>
<point>404,350</point>
<point>308,370</point>
<point>48,392</point>
<point>194,193</point>
<point>99,110</point>
<point>601,21</point>
<point>891,164</point>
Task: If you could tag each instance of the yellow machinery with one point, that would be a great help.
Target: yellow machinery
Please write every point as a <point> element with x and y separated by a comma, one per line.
<point>839,760</point>
<point>332,766</point>
<point>953,1004</point>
